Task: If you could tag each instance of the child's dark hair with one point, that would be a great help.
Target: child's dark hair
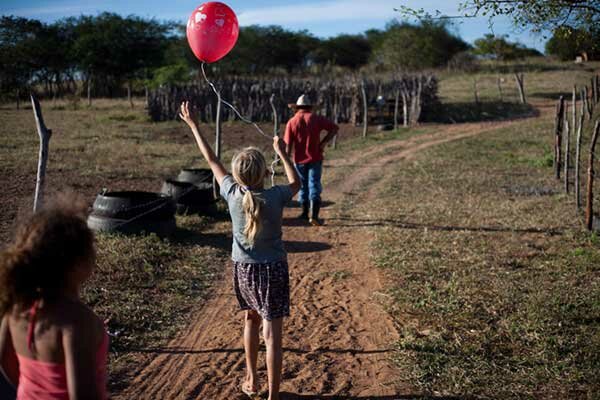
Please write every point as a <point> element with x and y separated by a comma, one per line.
<point>46,247</point>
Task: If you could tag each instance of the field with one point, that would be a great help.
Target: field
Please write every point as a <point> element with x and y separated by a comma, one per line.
<point>452,264</point>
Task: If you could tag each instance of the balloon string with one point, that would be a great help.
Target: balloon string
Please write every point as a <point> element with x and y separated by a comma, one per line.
<point>246,120</point>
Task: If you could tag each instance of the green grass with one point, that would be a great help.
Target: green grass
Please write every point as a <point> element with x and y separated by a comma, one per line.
<point>497,294</point>
<point>146,287</point>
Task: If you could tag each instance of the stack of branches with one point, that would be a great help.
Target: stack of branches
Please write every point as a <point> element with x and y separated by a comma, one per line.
<point>340,99</point>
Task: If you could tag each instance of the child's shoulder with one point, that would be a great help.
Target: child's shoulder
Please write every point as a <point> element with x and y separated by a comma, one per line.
<point>78,315</point>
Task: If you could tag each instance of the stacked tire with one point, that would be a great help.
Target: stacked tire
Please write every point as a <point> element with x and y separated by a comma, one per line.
<point>192,191</point>
<point>133,213</point>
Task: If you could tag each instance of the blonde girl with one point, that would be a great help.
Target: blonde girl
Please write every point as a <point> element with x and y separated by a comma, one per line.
<point>260,269</point>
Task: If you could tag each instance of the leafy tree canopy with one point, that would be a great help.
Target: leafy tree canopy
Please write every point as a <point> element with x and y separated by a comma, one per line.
<point>416,46</point>
<point>499,48</point>
<point>567,43</point>
<point>537,15</point>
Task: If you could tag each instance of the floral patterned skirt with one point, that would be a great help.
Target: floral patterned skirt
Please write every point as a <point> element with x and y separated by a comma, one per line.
<point>264,288</point>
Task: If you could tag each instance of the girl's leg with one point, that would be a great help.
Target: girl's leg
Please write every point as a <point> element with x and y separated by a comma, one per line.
<point>251,342</point>
<point>272,331</point>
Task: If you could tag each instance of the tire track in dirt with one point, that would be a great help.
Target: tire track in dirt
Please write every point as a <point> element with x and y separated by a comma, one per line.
<point>338,339</point>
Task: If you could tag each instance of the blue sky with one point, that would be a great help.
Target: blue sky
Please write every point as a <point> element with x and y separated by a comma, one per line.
<point>323,18</point>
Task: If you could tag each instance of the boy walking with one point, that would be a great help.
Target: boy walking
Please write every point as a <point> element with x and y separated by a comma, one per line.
<point>305,146</point>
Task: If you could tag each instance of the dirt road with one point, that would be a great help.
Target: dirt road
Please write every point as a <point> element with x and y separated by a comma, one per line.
<point>338,339</point>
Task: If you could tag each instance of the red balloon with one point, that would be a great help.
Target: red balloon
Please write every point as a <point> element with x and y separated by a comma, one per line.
<point>212,31</point>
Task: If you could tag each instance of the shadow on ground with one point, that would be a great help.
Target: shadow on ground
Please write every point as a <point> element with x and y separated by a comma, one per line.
<point>362,222</point>
<point>294,396</point>
<point>296,204</point>
<point>483,111</point>
<point>305,247</point>
<point>323,350</point>
<point>188,237</point>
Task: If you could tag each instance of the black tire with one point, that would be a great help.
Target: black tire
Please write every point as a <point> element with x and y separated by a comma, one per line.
<point>127,205</point>
<point>195,175</point>
<point>190,198</point>
<point>133,213</point>
<point>162,227</point>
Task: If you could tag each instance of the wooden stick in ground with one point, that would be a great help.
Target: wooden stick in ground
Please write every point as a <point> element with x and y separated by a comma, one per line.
<point>89,91</point>
<point>587,102</point>
<point>597,88</point>
<point>44,134</point>
<point>365,108</point>
<point>499,83</point>
<point>396,109</point>
<point>567,152</point>
<point>520,85</point>
<point>574,108</point>
<point>589,210</point>
<point>558,127</point>
<point>275,117</point>
<point>578,161</point>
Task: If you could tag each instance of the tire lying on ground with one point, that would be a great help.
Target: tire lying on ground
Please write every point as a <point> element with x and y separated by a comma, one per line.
<point>133,213</point>
<point>195,175</point>
<point>190,198</point>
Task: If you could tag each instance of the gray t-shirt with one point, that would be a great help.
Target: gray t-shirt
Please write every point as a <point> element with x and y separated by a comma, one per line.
<point>268,244</point>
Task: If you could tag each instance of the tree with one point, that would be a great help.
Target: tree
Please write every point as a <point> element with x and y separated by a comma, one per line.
<point>352,51</point>
<point>499,48</point>
<point>425,45</point>
<point>18,52</point>
<point>261,49</point>
<point>537,15</point>
<point>567,43</point>
<point>114,49</point>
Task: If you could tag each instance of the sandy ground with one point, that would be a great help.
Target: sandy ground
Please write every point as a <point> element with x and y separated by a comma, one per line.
<point>339,338</point>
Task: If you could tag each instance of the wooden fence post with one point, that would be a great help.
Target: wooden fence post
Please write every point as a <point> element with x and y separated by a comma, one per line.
<point>365,108</point>
<point>44,134</point>
<point>520,78</point>
<point>336,116</point>
<point>578,161</point>
<point>574,108</point>
<point>89,90</point>
<point>396,109</point>
<point>275,117</point>
<point>129,97</point>
<point>475,90</point>
<point>588,103</point>
<point>558,127</point>
<point>499,84</point>
<point>597,88</point>
<point>567,131</point>
<point>589,209</point>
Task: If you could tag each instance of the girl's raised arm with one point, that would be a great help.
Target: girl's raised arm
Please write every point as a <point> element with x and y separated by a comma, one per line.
<point>213,162</point>
<point>290,170</point>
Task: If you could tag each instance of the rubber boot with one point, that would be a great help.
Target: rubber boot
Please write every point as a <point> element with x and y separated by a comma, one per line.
<point>314,217</point>
<point>305,209</point>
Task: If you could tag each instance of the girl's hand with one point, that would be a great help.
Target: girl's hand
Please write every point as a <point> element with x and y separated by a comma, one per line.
<point>279,146</point>
<point>185,114</point>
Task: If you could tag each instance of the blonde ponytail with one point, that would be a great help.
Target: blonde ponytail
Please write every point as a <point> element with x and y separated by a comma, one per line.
<point>252,209</point>
<point>249,169</point>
